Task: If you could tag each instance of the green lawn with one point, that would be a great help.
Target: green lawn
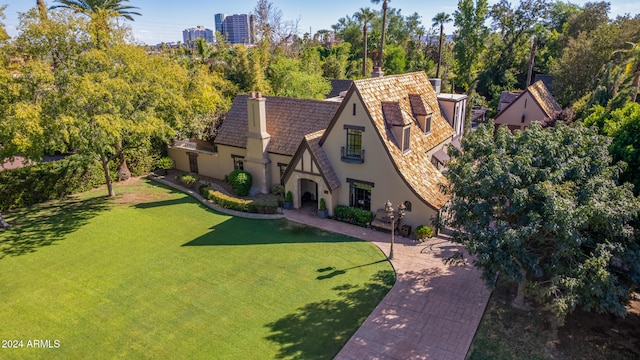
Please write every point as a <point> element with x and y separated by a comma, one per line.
<point>154,274</point>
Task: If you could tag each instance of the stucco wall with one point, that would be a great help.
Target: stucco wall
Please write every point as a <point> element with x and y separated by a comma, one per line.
<point>377,167</point>
<point>524,105</point>
<point>208,162</point>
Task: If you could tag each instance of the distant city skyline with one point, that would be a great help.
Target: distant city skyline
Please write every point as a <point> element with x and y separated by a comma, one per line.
<point>164,20</point>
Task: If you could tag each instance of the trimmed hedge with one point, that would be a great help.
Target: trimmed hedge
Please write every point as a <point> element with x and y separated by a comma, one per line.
<point>240,181</point>
<point>228,202</point>
<point>352,215</point>
<point>47,181</point>
<point>262,206</point>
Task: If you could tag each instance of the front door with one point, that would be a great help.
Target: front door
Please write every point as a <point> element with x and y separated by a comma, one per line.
<point>193,163</point>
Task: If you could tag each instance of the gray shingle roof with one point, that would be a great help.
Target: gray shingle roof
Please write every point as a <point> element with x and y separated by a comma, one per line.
<point>288,121</point>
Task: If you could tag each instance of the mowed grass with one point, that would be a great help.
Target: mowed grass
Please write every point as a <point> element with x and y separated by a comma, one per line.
<point>154,274</point>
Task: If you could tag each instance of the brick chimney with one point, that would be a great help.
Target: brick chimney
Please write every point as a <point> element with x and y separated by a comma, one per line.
<point>257,160</point>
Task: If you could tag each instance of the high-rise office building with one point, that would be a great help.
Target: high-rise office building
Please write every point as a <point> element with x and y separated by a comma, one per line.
<point>237,28</point>
<point>190,35</point>
<point>219,19</point>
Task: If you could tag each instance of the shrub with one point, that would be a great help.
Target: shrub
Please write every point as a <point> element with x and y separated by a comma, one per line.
<point>353,214</point>
<point>165,163</point>
<point>424,232</point>
<point>263,206</point>
<point>202,189</point>
<point>278,191</point>
<point>289,197</point>
<point>188,180</point>
<point>241,182</point>
<point>140,161</point>
<point>47,181</point>
<point>228,202</point>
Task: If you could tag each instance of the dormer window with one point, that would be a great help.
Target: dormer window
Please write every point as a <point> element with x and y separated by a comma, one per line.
<point>406,138</point>
<point>427,124</point>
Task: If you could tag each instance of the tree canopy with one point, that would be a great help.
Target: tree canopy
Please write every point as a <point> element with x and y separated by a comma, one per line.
<point>543,208</point>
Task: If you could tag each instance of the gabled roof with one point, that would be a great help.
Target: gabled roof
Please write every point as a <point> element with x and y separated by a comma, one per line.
<point>413,167</point>
<point>542,97</point>
<point>312,143</point>
<point>288,121</point>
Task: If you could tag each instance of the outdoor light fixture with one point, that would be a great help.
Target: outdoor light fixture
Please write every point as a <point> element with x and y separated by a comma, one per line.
<point>388,207</point>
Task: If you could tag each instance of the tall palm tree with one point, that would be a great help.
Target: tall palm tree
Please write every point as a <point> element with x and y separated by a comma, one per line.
<point>364,16</point>
<point>89,7</point>
<point>42,8</point>
<point>440,19</point>
<point>384,27</point>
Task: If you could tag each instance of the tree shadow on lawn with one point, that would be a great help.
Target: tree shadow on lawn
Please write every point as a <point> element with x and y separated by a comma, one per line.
<point>319,330</point>
<point>42,225</point>
<point>242,231</point>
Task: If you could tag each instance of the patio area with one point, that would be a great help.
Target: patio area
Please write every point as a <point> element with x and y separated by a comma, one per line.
<point>433,310</point>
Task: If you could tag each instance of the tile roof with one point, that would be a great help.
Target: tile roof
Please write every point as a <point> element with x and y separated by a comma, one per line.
<point>288,121</point>
<point>544,98</point>
<point>414,167</point>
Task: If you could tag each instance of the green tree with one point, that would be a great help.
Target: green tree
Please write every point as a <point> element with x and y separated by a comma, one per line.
<point>364,16</point>
<point>298,78</point>
<point>385,7</point>
<point>469,19</point>
<point>440,19</point>
<point>542,208</point>
<point>575,73</point>
<point>3,31</point>
<point>90,7</point>
<point>623,125</point>
<point>118,99</point>
<point>396,60</point>
<point>506,58</point>
<point>632,68</point>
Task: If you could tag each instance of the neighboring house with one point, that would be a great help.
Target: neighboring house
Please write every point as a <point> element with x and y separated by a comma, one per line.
<point>533,104</point>
<point>379,143</point>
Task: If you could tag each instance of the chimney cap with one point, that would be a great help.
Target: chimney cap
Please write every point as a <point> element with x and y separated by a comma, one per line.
<point>252,95</point>
<point>259,95</point>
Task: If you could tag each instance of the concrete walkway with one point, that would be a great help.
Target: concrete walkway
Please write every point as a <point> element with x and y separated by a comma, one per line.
<point>432,311</point>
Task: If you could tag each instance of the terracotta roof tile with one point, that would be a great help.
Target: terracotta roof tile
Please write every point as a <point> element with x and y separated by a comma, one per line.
<point>288,121</point>
<point>414,167</point>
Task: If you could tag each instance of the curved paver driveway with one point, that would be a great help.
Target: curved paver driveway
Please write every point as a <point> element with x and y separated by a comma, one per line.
<point>432,311</point>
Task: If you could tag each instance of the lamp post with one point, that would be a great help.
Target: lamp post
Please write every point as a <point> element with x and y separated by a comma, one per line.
<point>388,207</point>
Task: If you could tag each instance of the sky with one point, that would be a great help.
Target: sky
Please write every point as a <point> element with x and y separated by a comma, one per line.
<point>164,20</point>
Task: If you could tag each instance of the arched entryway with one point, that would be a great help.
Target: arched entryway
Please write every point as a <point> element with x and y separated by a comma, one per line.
<point>308,192</point>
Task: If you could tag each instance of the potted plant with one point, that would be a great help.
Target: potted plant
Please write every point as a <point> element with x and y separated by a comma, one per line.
<point>322,210</point>
<point>423,232</point>
<point>288,201</point>
<point>165,164</point>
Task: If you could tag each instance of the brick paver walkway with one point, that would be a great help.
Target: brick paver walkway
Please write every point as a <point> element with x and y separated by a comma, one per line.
<point>432,311</point>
